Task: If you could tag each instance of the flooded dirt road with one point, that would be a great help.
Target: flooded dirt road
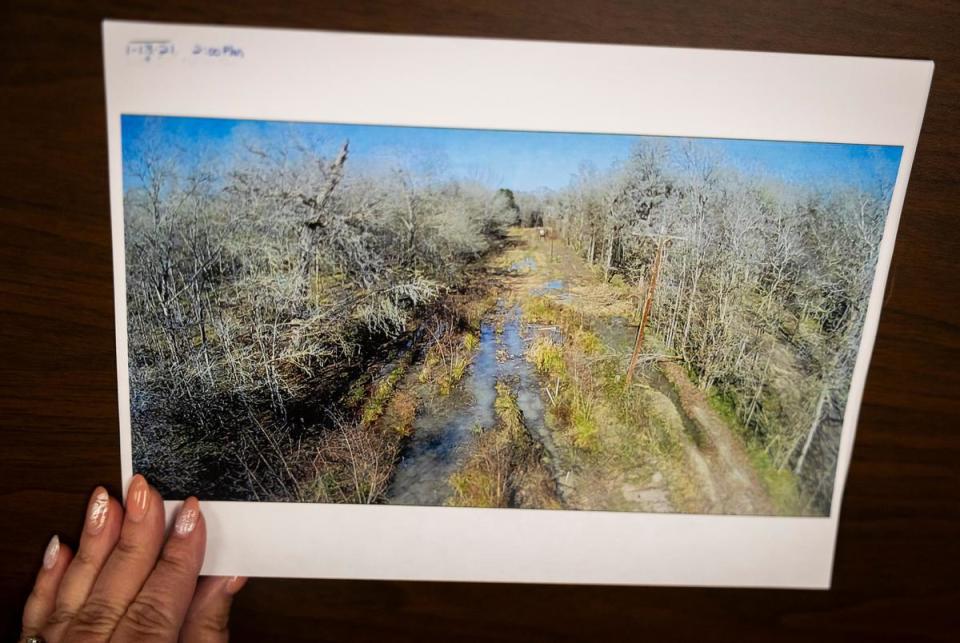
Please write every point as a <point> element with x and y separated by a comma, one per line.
<point>616,474</point>
<point>446,424</point>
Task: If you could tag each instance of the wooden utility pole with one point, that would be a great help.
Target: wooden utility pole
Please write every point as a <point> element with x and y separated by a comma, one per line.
<point>647,306</point>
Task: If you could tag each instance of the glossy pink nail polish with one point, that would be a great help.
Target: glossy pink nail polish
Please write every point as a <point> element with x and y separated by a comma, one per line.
<point>187,519</point>
<point>52,552</point>
<point>97,511</point>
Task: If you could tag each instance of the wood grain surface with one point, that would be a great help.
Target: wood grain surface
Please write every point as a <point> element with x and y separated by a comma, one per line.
<point>898,558</point>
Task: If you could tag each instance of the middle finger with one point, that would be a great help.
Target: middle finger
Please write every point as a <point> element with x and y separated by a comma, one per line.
<point>127,568</point>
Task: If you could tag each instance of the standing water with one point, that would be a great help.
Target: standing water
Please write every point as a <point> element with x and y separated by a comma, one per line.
<point>446,425</point>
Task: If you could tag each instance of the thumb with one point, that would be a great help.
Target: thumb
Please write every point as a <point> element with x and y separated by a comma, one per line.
<point>209,614</point>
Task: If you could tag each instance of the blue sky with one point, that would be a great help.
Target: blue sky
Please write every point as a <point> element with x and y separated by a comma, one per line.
<point>514,159</point>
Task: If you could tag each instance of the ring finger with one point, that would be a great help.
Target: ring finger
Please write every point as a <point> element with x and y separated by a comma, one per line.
<point>100,532</point>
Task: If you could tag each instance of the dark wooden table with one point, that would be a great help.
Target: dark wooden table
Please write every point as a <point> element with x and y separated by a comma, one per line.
<point>898,557</point>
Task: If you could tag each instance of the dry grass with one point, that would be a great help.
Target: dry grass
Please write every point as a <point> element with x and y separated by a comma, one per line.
<point>505,465</point>
<point>447,361</point>
<point>616,433</point>
<point>354,459</point>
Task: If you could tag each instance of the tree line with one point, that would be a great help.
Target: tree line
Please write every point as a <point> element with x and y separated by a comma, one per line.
<point>761,292</point>
<point>260,287</point>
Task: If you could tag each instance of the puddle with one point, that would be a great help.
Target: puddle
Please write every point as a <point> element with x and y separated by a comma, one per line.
<point>446,425</point>
<point>527,264</point>
<point>556,287</point>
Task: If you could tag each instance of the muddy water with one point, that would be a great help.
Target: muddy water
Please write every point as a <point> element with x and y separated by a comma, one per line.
<point>519,373</point>
<point>445,425</point>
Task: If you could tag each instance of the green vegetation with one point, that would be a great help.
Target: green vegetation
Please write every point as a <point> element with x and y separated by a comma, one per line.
<point>626,430</point>
<point>547,356</point>
<point>587,342</point>
<point>541,310</point>
<point>470,342</point>
<point>616,433</point>
<point>583,424</point>
<point>357,392</point>
<point>779,482</point>
<point>355,463</point>
<point>570,402</point>
<point>382,393</point>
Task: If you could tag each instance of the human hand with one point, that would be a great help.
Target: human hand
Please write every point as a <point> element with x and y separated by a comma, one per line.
<point>125,583</point>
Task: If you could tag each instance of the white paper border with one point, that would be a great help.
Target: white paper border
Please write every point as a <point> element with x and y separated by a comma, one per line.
<point>334,77</point>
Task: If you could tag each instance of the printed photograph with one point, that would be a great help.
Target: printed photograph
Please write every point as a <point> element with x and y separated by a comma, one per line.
<point>338,313</point>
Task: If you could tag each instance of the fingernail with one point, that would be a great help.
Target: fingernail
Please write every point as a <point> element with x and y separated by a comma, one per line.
<point>97,514</point>
<point>187,518</point>
<point>52,552</point>
<point>138,498</point>
<point>234,584</point>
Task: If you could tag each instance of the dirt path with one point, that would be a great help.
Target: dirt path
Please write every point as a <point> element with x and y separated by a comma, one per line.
<point>587,481</point>
<point>738,489</point>
<point>716,458</point>
<point>711,472</point>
